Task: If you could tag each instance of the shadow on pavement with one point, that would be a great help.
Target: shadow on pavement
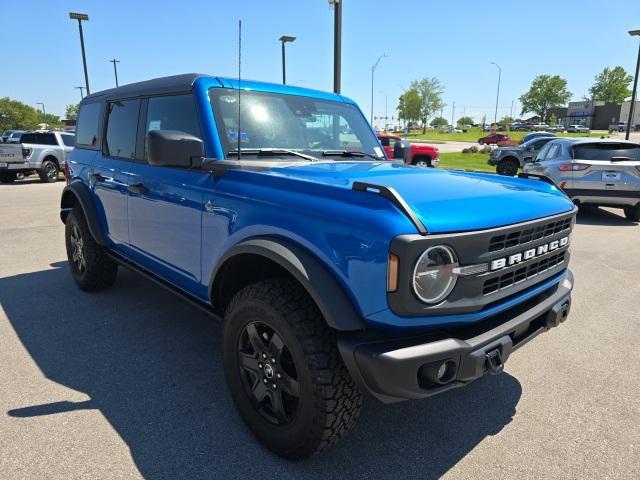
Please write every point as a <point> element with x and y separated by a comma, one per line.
<point>151,365</point>
<point>588,215</point>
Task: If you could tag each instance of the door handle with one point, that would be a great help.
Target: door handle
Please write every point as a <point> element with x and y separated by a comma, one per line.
<point>96,177</point>
<point>138,188</point>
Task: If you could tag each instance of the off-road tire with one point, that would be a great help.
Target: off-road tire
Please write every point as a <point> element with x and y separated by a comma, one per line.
<point>8,177</point>
<point>48,172</point>
<point>508,167</point>
<point>98,271</point>
<point>329,401</point>
<point>632,213</point>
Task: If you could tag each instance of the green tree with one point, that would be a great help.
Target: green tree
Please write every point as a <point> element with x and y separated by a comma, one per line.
<point>546,91</point>
<point>439,122</point>
<point>16,115</point>
<point>611,85</point>
<point>409,106</point>
<point>466,120</point>
<point>71,113</point>
<point>430,92</point>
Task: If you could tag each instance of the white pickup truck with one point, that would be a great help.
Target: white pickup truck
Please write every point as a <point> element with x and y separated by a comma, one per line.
<point>44,153</point>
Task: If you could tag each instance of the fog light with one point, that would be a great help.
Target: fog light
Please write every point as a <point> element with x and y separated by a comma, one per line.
<point>438,373</point>
<point>442,371</point>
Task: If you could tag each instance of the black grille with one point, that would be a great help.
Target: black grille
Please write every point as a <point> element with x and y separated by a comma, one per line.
<point>500,242</point>
<point>514,277</point>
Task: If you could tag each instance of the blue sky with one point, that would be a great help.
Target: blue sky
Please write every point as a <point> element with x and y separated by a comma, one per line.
<point>454,41</point>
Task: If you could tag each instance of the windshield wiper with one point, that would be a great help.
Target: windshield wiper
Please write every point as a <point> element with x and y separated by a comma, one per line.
<point>348,153</point>
<point>273,152</point>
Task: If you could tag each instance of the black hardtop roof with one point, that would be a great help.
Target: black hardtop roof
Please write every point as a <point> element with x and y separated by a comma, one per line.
<point>172,84</point>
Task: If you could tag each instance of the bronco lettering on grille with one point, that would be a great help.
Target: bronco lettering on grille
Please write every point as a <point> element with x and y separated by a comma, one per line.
<point>516,258</point>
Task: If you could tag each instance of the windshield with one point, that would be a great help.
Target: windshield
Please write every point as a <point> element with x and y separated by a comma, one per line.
<point>290,122</point>
<point>606,151</point>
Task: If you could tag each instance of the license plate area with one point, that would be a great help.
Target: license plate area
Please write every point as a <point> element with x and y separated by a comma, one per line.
<point>3,165</point>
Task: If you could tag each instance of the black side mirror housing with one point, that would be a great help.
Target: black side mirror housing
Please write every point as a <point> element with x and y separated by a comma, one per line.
<point>172,148</point>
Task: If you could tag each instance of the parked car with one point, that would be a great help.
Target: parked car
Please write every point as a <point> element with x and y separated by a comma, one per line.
<point>618,127</point>
<point>494,138</point>
<point>558,128</point>
<point>15,136</point>
<point>6,134</point>
<point>539,127</point>
<point>44,153</point>
<point>509,159</point>
<point>519,127</point>
<point>450,129</point>
<point>532,135</point>
<point>578,129</point>
<point>594,172</point>
<point>335,273</point>
<point>420,154</point>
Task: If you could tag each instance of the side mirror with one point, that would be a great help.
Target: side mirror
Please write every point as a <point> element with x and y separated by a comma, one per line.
<point>171,148</point>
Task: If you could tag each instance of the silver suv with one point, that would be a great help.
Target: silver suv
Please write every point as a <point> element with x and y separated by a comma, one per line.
<point>594,172</point>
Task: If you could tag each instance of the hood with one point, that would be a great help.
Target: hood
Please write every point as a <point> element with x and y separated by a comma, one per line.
<point>444,200</point>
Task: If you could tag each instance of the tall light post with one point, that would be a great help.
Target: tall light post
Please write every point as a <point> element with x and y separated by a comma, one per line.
<point>81,92</point>
<point>633,33</point>
<point>44,113</point>
<point>337,43</point>
<point>495,115</point>
<point>80,17</point>
<point>285,39</point>
<point>115,70</point>
<point>373,71</point>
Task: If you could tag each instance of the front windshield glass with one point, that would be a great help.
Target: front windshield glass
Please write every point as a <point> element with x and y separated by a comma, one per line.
<point>302,124</point>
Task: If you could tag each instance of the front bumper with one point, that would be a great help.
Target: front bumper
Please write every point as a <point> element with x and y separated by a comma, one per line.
<point>402,368</point>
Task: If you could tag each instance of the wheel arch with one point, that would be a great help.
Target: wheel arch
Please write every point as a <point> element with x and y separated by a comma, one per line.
<point>260,258</point>
<point>77,194</point>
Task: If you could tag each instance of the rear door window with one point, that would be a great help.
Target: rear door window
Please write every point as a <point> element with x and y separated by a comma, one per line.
<point>122,127</point>
<point>87,133</point>
<point>39,138</point>
<point>553,152</point>
<point>68,140</point>
<point>606,151</point>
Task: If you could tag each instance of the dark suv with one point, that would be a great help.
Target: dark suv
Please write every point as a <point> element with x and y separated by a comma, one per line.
<point>333,270</point>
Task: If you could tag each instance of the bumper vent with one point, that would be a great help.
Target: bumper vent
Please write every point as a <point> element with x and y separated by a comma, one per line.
<point>501,242</point>
<point>529,271</point>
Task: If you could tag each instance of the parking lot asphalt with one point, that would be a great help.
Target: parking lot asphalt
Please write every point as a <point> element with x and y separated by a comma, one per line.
<point>128,383</point>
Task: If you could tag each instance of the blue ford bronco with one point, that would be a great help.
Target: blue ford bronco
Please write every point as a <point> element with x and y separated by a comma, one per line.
<point>335,271</point>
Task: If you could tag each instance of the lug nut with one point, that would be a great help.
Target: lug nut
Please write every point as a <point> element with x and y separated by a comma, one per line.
<point>264,355</point>
<point>279,376</point>
<point>264,380</point>
<point>259,365</point>
<point>275,386</point>
<point>273,360</point>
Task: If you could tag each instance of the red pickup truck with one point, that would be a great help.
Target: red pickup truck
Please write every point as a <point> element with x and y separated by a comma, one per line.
<point>421,155</point>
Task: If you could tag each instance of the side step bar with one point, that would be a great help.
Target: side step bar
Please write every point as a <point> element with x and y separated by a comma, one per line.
<point>394,197</point>
<point>202,306</point>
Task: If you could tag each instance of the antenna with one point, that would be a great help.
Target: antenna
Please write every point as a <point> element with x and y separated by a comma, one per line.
<point>239,77</point>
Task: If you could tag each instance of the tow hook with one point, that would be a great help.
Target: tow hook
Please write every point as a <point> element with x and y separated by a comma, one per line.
<point>494,362</point>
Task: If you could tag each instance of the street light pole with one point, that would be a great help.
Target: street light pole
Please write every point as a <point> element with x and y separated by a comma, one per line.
<point>81,92</point>
<point>284,39</point>
<point>373,71</point>
<point>80,17</point>
<point>115,70</point>
<point>633,33</point>
<point>495,116</point>
<point>44,113</point>
<point>337,43</point>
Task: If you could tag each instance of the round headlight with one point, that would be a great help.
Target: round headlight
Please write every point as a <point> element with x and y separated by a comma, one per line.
<point>433,276</point>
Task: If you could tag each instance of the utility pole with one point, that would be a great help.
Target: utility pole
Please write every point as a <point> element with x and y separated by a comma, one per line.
<point>44,113</point>
<point>81,92</point>
<point>115,70</point>
<point>285,39</point>
<point>511,113</point>
<point>453,112</point>
<point>635,86</point>
<point>495,116</point>
<point>337,43</point>
<point>80,17</point>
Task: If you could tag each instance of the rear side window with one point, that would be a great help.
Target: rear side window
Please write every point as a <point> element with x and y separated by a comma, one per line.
<point>122,126</point>
<point>605,151</point>
<point>88,122</point>
<point>68,140</point>
<point>175,112</point>
<point>39,138</point>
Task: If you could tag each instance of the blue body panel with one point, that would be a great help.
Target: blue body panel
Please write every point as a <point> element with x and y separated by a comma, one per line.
<point>169,232</point>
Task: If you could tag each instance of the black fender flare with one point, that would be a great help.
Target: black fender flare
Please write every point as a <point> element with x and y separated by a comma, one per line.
<point>78,192</point>
<point>332,301</point>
